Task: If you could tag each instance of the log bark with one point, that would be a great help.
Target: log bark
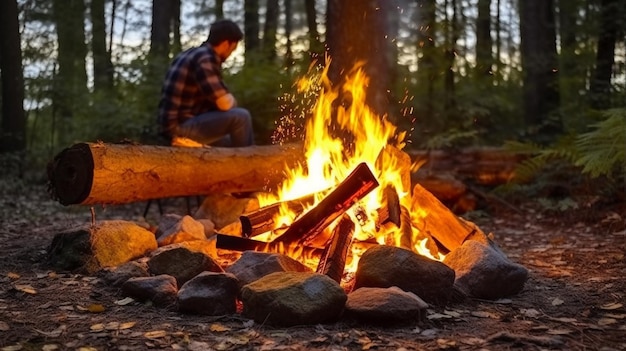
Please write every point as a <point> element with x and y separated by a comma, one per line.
<point>262,220</point>
<point>98,173</point>
<point>437,220</point>
<point>333,259</point>
<point>356,185</point>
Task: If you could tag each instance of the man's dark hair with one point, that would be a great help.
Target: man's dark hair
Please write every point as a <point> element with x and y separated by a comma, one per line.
<point>224,30</point>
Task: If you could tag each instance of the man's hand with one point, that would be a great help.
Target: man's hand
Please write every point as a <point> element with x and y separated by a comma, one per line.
<point>226,102</point>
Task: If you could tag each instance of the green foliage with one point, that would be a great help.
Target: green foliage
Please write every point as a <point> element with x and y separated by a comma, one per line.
<point>599,152</point>
<point>451,138</point>
<point>603,150</point>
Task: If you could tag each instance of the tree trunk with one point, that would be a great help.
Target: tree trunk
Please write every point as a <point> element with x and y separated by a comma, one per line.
<point>316,48</point>
<point>539,60</point>
<point>288,61</point>
<point>356,33</point>
<point>13,117</point>
<point>600,89</point>
<point>251,29</point>
<point>426,64</point>
<point>89,173</point>
<point>484,55</point>
<point>71,80</point>
<point>270,29</point>
<point>102,65</point>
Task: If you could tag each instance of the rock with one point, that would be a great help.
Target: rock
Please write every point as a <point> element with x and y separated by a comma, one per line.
<point>484,272</point>
<point>183,261</point>
<point>209,293</point>
<point>107,244</point>
<point>224,209</point>
<point>293,298</point>
<point>116,276</point>
<point>253,265</point>
<point>386,266</point>
<point>174,229</point>
<point>161,290</point>
<point>384,306</point>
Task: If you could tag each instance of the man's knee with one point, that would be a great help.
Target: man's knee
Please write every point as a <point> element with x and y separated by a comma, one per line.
<point>242,115</point>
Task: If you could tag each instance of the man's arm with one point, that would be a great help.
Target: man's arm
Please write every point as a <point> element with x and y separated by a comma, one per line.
<point>226,102</point>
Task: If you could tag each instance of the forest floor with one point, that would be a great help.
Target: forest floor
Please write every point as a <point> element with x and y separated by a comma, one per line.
<point>574,298</point>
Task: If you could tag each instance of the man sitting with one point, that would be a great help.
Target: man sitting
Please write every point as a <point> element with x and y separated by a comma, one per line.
<point>196,107</point>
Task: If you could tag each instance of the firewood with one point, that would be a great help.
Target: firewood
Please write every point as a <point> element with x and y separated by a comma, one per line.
<point>333,259</point>
<point>437,221</point>
<point>98,173</point>
<point>235,243</point>
<point>262,220</point>
<point>390,210</point>
<point>356,185</point>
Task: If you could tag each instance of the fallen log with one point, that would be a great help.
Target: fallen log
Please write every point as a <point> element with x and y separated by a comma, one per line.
<point>333,259</point>
<point>98,173</point>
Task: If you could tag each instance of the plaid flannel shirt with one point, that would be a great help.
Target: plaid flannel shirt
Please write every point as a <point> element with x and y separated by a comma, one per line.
<point>192,86</point>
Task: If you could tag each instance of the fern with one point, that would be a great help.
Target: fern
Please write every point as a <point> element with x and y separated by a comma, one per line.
<point>450,138</point>
<point>563,149</point>
<point>603,150</point>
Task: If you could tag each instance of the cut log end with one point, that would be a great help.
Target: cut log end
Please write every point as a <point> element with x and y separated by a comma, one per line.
<point>70,174</point>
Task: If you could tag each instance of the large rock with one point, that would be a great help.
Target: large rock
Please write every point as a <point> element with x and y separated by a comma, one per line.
<point>161,290</point>
<point>293,298</point>
<point>209,293</point>
<point>485,272</point>
<point>116,276</point>
<point>106,244</point>
<point>183,261</point>
<point>253,265</point>
<point>385,306</point>
<point>386,266</point>
<point>174,229</point>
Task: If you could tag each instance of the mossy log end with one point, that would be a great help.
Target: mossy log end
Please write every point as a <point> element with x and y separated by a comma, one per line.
<point>99,173</point>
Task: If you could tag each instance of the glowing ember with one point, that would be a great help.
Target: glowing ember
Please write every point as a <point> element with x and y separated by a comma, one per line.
<point>342,133</point>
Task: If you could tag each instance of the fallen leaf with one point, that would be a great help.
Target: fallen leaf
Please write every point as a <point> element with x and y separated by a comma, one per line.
<point>607,321</point>
<point>49,347</point>
<point>97,327</point>
<point>483,314</point>
<point>438,316</point>
<point>556,301</point>
<point>4,326</point>
<point>25,289</point>
<point>530,312</point>
<point>124,302</point>
<point>612,306</point>
<point>155,334</point>
<point>95,308</point>
<point>565,320</point>
<point>54,333</point>
<point>15,347</point>
<point>13,276</point>
<point>127,325</point>
<point>559,331</point>
<point>216,327</point>
<point>87,348</point>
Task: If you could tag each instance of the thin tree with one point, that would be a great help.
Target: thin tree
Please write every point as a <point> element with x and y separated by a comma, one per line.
<point>270,29</point>
<point>426,64</point>
<point>102,65</point>
<point>484,43</point>
<point>541,96</point>
<point>288,62</point>
<point>71,79</point>
<point>13,131</point>
<point>251,30</point>
<point>600,89</point>
<point>316,49</point>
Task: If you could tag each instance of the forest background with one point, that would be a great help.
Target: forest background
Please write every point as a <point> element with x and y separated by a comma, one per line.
<point>541,76</point>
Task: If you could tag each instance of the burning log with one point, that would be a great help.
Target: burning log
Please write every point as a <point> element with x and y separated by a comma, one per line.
<point>333,258</point>
<point>390,211</point>
<point>437,221</point>
<point>98,173</point>
<point>356,185</point>
<point>235,243</point>
<point>262,220</point>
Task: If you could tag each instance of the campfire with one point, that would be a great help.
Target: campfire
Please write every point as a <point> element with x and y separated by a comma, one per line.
<point>344,208</point>
<point>352,192</point>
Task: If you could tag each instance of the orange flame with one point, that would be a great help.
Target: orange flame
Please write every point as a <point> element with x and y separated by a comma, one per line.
<point>342,133</point>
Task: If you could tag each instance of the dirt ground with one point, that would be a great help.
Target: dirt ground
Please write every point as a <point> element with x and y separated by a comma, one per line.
<point>573,300</point>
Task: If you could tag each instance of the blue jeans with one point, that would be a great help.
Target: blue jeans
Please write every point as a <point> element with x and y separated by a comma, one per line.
<point>220,128</point>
